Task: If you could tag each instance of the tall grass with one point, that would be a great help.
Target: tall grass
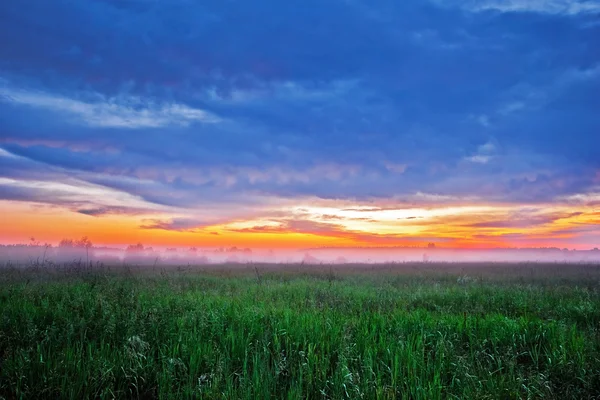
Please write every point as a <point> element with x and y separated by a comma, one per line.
<point>274,335</point>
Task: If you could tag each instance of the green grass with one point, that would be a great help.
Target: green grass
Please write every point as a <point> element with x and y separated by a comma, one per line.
<point>216,335</point>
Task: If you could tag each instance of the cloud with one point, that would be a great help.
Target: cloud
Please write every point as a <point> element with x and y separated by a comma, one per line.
<point>128,112</point>
<point>114,210</point>
<point>483,155</point>
<point>7,154</point>
<point>525,220</point>
<point>334,231</point>
<point>396,168</point>
<point>479,159</point>
<point>329,217</point>
<point>174,224</point>
<point>591,198</point>
<point>75,192</point>
<point>23,179</point>
<point>569,7</point>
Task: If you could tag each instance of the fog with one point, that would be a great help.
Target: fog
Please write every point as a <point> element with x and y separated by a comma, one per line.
<point>84,252</point>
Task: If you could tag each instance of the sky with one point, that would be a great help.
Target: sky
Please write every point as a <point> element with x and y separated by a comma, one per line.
<point>293,124</point>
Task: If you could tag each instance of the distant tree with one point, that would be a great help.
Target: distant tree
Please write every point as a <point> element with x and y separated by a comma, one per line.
<point>84,243</point>
<point>135,248</point>
<point>66,243</point>
<point>431,245</point>
<point>69,248</point>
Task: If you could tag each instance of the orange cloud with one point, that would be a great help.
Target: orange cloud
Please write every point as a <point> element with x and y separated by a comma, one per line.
<point>329,223</point>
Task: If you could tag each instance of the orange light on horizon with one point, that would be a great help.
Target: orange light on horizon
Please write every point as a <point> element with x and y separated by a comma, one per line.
<point>457,226</point>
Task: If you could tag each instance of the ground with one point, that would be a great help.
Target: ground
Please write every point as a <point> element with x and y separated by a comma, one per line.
<point>414,331</point>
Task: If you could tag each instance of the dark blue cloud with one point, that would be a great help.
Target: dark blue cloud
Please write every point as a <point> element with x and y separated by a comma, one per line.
<point>338,99</point>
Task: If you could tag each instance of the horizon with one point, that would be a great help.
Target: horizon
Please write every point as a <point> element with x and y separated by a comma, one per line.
<point>100,246</point>
<point>342,124</point>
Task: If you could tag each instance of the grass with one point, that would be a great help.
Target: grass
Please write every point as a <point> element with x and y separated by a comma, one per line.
<point>291,333</point>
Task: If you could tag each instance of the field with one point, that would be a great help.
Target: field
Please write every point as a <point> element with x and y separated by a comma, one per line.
<point>412,331</point>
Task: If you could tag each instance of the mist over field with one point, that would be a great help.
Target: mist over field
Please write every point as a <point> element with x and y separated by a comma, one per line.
<point>140,255</point>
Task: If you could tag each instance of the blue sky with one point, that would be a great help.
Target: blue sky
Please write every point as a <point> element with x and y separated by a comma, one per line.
<point>204,105</point>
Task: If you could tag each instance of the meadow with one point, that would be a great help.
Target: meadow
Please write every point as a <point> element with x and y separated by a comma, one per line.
<point>249,331</point>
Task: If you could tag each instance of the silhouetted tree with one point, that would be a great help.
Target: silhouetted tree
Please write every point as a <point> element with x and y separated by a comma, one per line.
<point>135,248</point>
<point>66,243</point>
<point>70,248</point>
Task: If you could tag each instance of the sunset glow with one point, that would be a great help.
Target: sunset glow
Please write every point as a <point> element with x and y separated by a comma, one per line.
<point>347,225</point>
<point>396,126</point>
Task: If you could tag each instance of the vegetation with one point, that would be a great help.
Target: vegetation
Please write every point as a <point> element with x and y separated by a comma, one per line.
<point>253,331</point>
